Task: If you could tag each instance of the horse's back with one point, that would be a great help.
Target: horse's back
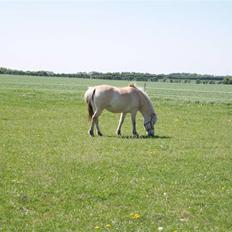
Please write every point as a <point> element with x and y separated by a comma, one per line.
<point>116,99</point>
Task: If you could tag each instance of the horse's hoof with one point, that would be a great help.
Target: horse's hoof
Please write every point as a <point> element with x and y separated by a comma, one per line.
<point>118,133</point>
<point>91,133</point>
<point>99,133</point>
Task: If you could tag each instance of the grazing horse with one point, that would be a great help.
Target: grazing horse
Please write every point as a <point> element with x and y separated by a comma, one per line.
<point>124,100</point>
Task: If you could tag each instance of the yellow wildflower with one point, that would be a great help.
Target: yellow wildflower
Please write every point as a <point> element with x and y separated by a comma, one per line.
<point>108,226</point>
<point>97,227</point>
<point>135,215</point>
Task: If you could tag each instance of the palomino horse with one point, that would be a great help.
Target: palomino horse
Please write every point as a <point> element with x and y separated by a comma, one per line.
<point>124,100</point>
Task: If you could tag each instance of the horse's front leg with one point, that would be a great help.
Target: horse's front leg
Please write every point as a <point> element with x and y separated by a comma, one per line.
<point>121,120</point>
<point>133,120</point>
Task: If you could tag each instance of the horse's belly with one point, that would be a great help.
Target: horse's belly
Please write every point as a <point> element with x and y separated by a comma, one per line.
<point>119,106</point>
<point>115,109</point>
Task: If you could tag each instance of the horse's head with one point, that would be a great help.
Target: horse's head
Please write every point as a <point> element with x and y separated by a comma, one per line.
<point>149,125</point>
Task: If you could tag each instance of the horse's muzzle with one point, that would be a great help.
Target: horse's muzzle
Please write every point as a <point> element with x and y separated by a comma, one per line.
<point>151,133</point>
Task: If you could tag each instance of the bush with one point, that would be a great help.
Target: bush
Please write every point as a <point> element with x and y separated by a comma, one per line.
<point>227,81</point>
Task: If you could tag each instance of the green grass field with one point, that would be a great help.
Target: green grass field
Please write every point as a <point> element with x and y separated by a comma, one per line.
<point>54,177</point>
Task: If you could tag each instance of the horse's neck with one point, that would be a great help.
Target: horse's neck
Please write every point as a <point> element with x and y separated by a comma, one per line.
<point>147,114</point>
<point>147,108</point>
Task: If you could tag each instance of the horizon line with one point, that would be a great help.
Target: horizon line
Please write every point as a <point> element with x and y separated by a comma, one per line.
<point>105,72</point>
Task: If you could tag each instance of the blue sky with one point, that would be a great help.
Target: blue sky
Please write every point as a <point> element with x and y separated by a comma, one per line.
<point>117,36</point>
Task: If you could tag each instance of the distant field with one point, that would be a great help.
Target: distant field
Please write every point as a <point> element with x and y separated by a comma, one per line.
<point>188,92</point>
<point>54,177</point>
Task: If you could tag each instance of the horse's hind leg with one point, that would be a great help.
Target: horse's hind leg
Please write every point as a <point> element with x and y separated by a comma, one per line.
<point>98,128</point>
<point>121,120</point>
<point>95,121</point>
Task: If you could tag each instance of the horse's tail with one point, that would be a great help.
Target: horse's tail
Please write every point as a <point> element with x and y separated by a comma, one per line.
<point>89,97</point>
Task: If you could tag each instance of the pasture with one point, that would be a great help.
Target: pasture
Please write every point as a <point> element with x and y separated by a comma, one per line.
<point>54,177</point>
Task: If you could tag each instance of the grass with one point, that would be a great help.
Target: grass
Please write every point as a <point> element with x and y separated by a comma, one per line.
<point>54,177</point>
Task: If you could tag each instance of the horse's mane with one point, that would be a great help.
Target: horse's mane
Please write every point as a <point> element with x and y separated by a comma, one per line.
<point>144,94</point>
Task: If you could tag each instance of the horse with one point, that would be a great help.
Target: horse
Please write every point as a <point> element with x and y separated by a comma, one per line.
<point>123,100</point>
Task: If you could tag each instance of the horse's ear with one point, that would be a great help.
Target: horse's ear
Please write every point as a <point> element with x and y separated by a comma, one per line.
<point>132,85</point>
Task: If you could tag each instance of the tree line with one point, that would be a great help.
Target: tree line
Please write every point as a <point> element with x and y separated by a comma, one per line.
<point>130,76</point>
